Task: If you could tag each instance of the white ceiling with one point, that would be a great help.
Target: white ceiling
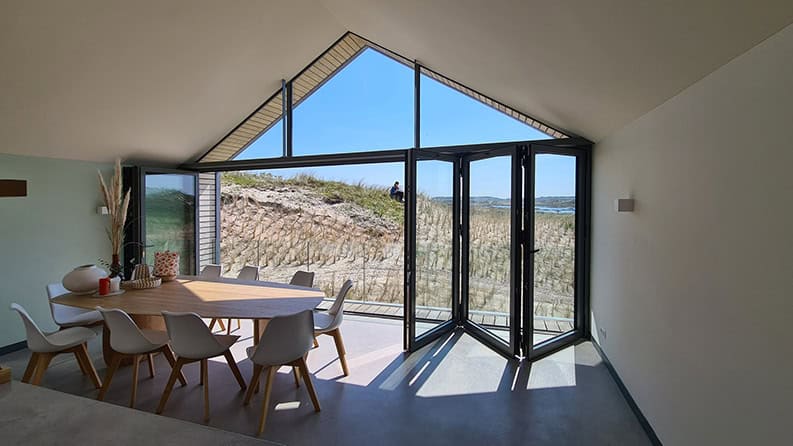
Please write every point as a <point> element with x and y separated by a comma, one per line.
<point>162,81</point>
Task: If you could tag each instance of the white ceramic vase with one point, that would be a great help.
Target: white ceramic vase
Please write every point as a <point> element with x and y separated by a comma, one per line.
<point>83,279</point>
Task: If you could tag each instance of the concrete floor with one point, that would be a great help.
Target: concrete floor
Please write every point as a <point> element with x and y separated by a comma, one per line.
<point>454,391</point>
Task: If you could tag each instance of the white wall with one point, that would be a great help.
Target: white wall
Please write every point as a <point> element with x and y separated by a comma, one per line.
<point>695,289</point>
<point>46,234</point>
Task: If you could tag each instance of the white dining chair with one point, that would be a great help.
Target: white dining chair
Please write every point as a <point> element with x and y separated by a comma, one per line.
<point>213,271</point>
<point>328,322</point>
<point>67,316</point>
<point>303,278</point>
<point>285,341</point>
<point>127,341</point>
<point>46,346</point>
<point>193,342</point>
<point>248,273</point>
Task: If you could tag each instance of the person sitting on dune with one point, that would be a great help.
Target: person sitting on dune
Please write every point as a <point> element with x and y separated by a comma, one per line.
<point>395,193</point>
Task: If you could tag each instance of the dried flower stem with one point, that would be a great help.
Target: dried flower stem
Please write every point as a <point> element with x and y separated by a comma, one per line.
<point>117,203</point>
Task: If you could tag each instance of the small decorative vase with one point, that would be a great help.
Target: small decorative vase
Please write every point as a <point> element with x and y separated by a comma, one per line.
<point>83,279</point>
<point>115,268</point>
<point>166,265</point>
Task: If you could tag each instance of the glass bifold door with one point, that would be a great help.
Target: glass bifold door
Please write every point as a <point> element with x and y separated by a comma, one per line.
<point>163,206</point>
<point>499,246</point>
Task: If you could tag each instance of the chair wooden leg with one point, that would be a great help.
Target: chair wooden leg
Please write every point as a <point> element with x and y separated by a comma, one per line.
<point>234,369</point>
<point>166,351</point>
<point>41,366</point>
<point>256,332</point>
<point>150,360</point>
<point>316,343</point>
<point>221,324</point>
<point>205,380</point>
<point>212,324</point>
<point>340,349</point>
<point>135,367</point>
<point>297,376</point>
<point>257,371</point>
<point>80,362</point>
<point>239,325</point>
<point>228,327</point>
<point>82,355</point>
<point>176,372</point>
<point>34,358</point>
<point>111,370</point>
<point>268,387</point>
<point>309,384</point>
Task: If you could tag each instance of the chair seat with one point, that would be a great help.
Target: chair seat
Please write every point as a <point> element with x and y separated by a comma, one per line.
<point>323,322</point>
<point>250,351</point>
<point>67,338</point>
<point>210,351</point>
<point>67,316</point>
<point>158,338</point>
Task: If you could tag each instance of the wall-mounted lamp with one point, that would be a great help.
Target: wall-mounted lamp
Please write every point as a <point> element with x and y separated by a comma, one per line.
<point>623,205</point>
<point>102,210</point>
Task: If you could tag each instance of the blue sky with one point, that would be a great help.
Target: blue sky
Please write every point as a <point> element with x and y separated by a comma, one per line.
<point>369,106</point>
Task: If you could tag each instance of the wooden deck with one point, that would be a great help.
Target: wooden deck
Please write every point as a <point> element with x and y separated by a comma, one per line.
<point>486,318</point>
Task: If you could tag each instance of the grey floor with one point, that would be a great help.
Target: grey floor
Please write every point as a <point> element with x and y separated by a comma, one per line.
<point>455,391</point>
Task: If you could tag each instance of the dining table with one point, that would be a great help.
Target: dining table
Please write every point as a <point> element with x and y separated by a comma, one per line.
<point>218,298</point>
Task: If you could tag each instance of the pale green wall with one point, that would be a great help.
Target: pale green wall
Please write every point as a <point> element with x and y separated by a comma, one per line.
<point>46,234</point>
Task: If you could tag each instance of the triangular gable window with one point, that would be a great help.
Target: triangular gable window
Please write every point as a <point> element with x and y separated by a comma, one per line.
<point>358,96</point>
<point>454,115</point>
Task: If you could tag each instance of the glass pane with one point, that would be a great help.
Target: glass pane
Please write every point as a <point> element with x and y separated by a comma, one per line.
<point>449,117</point>
<point>367,105</point>
<point>170,217</point>
<point>338,222</point>
<point>554,236</point>
<point>269,144</point>
<point>490,231</point>
<point>434,238</point>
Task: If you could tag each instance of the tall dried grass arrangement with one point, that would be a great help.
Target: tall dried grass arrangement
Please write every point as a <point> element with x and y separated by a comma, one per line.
<point>117,203</point>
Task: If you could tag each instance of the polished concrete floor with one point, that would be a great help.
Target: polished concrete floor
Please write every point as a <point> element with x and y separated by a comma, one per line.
<point>454,391</point>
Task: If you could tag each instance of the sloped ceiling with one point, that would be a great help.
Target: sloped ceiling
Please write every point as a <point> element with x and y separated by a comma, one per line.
<point>586,66</point>
<point>148,80</point>
<point>162,81</point>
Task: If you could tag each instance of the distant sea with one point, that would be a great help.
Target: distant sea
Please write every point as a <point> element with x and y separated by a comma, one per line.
<point>542,205</point>
<point>543,209</point>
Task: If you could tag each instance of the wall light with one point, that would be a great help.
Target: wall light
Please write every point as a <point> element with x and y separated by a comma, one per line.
<point>623,205</point>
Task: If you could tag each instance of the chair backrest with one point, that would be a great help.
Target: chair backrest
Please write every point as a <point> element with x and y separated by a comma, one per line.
<point>249,273</point>
<point>303,278</point>
<point>285,339</point>
<point>337,309</point>
<point>190,337</point>
<point>125,336</point>
<point>211,272</point>
<point>56,289</point>
<point>37,341</point>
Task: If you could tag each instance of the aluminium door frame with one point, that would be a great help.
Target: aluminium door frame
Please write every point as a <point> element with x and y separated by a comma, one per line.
<point>512,348</point>
<point>581,328</point>
<point>411,341</point>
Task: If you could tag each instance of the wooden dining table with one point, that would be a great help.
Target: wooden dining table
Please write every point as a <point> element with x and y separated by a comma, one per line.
<point>209,298</point>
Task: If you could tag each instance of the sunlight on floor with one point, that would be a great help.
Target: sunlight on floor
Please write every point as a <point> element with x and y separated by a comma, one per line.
<point>288,405</point>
